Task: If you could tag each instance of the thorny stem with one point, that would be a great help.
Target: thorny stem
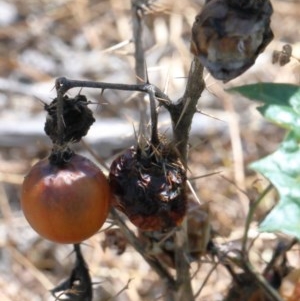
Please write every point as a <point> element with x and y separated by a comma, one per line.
<point>137,28</point>
<point>153,262</point>
<point>153,112</point>
<point>185,290</point>
<point>64,84</point>
<point>183,111</point>
<point>139,56</point>
<point>142,77</point>
<point>59,117</point>
<point>182,114</point>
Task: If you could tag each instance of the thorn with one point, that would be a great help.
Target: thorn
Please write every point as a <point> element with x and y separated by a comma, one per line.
<point>209,115</point>
<point>193,192</point>
<point>146,73</point>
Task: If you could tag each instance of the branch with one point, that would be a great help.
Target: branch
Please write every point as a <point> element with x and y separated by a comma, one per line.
<point>183,111</point>
<point>250,215</point>
<point>261,281</point>
<point>139,58</point>
<point>137,28</point>
<point>139,247</point>
<point>182,115</point>
<point>63,85</point>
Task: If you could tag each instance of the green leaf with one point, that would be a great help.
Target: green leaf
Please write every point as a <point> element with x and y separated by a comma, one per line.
<point>272,94</point>
<point>283,116</point>
<point>283,218</point>
<point>282,168</point>
<point>280,105</point>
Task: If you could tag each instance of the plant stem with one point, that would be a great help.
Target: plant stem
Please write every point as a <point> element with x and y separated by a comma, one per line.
<point>183,111</point>
<point>139,56</point>
<point>184,291</point>
<point>154,263</point>
<point>153,112</point>
<point>249,218</point>
<point>60,119</point>
<point>137,28</point>
<point>64,84</point>
<point>262,282</point>
<point>182,115</point>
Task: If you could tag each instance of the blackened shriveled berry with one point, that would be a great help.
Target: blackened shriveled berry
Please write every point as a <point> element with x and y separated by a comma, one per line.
<point>77,119</point>
<point>228,35</point>
<point>149,185</point>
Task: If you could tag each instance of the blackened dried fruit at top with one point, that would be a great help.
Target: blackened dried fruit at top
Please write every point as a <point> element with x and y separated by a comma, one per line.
<point>228,35</point>
<point>149,185</point>
<point>77,119</point>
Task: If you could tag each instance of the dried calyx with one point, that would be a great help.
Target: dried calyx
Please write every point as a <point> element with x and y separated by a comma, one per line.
<point>68,120</point>
<point>60,156</point>
<point>76,119</point>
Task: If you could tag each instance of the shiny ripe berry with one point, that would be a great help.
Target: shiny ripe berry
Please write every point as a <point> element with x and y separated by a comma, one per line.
<point>149,186</point>
<point>67,203</point>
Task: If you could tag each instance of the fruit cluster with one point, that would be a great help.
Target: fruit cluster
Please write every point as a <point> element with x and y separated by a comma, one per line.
<point>66,198</point>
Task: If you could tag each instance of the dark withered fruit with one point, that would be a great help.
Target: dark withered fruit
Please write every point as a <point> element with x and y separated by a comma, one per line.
<point>228,35</point>
<point>149,185</point>
<point>77,119</point>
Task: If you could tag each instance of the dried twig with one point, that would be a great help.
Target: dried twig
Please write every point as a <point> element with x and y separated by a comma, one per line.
<point>139,55</point>
<point>261,281</point>
<point>137,28</point>
<point>63,85</point>
<point>250,214</point>
<point>139,247</point>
